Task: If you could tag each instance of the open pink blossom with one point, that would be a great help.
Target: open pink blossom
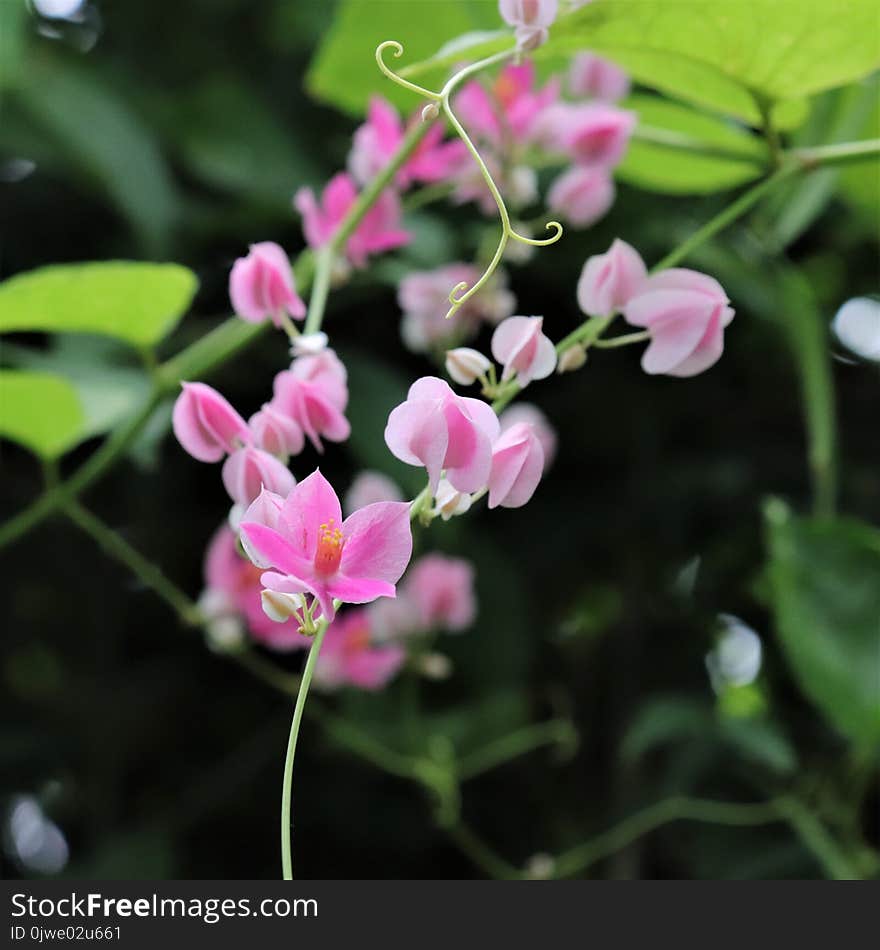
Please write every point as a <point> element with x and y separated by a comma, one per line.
<point>593,133</point>
<point>509,109</point>
<point>314,393</point>
<point>262,285</point>
<point>531,18</point>
<point>541,426</point>
<point>376,141</point>
<point>686,313</point>
<point>581,195</point>
<point>371,487</point>
<point>206,425</point>
<point>442,589</point>
<point>517,466</point>
<point>424,298</point>
<point>597,78</point>
<point>314,551</point>
<point>350,656</point>
<point>608,281</point>
<point>233,589</point>
<point>276,433</point>
<point>248,471</point>
<point>440,430</point>
<point>522,349</point>
<point>379,230</point>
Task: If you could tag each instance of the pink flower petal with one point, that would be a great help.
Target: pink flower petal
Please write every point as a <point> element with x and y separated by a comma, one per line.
<point>378,542</point>
<point>311,504</point>
<point>266,547</point>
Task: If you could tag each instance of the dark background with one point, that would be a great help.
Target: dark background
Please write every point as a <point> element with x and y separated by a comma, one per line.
<point>158,758</point>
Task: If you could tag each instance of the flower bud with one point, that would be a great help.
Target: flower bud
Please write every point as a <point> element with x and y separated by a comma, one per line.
<point>262,285</point>
<point>520,346</point>
<point>309,344</point>
<point>466,366</point>
<point>608,281</point>
<point>525,412</point>
<point>280,607</point>
<point>247,471</point>
<point>517,466</point>
<point>434,666</point>
<point>450,501</point>
<point>581,195</point>
<point>276,433</point>
<point>571,359</point>
<point>206,425</point>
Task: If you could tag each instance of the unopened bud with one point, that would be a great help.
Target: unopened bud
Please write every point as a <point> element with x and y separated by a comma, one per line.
<point>573,358</point>
<point>281,607</point>
<point>450,501</point>
<point>435,666</point>
<point>430,112</point>
<point>466,366</point>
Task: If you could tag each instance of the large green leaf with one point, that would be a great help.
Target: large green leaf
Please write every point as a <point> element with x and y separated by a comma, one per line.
<point>344,71</point>
<point>136,302</point>
<point>825,582</point>
<point>676,171</point>
<point>103,140</point>
<point>40,411</point>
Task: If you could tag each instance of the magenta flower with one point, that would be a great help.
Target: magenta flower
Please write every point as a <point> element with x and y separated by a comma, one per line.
<point>525,412</point>
<point>314,551</point>
<point>440,430</point>
<point>597,78</point>
<point>232,590</point>
<point>314,394</point>
<point>206,425</point>
<point>262,285</point>
<point>350,657</point>
<point>276,433</point>
<point>581,195</point>
<point>376,141</point>
<point>522,349</point>
<point>608,281</point>
<point>517,466</point>
<point>247,472</point>
<point>686,313</point>
<point>378,231</point>
<point>531,18</point>
<point>442,591</point>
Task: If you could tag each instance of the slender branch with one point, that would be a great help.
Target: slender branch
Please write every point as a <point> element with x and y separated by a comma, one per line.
<point>481,854</point>
<point>815,837</point>
<point>839,154</point>
<point>559,732</point>
<point>625,340</point>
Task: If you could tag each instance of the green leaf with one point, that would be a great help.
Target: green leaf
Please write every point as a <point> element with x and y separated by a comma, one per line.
<point>101,138</point>
<point>40,411</point>
<point>825,581</point>
<point>344,71</point>
<point>136,302</point>
<point>860,182</point>
<point>13,17</point>
<point>676,171</point>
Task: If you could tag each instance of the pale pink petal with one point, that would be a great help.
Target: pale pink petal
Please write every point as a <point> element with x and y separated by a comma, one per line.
<point>469,455</point>
<point>374,667</point>
<point>707,352</point>
<point>608,281</point>
<point>672,341</point>
<point>311,504</point>
<point>378,542</point>
<point>266,547</point>
<point>205,424</point>
<point>416,433</point>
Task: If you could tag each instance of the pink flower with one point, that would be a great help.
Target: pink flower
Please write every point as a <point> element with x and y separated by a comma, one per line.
<point>608,281</point>
<point>349,657</point>
<point>262,285</point>
<point>314,393</point>
<point>581,195</point>
<point>520,346</point>
<point>378,231</point>
<point>442,589</point>
<point>369,488</point>
<point>510,109</point>
<point>594,133</point>
<point>424,298</point>
<point>531,415</point>
<point>314,551</point>
<point>598,78</point>
<point>206,425</point>
<point>686,313</point>
<point>276,433</point>
<point>531,19</point>
<point>376,141</point>
<point>233,588</point>
<point>440,430</point>
<point>517,466</point>
<point>247,471</point>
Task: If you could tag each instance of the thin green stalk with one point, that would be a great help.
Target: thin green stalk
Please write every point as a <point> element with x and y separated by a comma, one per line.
<point>481,854</point>
<point>579,859</point>
<point>320,290</point>
<point>816,838</point>
<point>625,340</point>
<point>839,154</point>
<point>113,544</point>
<point>559,732</point>
<point>286,788</point>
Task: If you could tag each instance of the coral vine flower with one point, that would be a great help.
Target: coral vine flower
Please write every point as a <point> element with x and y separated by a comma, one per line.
<point>520,346</point>
<point>517,466</point>
<point>206,425</point>
<point>531,19</point>
<point>314,394</point>
<point>686,313</point>
<point>581,195</point>
<point>247,471</point>
<point>276,433</point>
<point>593,133</point>
<point>597,78</point>
<point>261,285</point>
<point>442,590</point>
<point>608,281</point>
<point>349,657</point>
<point>378,231</point>
<point>440,430</point>
<point>531,415</point>
<point>376,141</point>
<point>314,551</point>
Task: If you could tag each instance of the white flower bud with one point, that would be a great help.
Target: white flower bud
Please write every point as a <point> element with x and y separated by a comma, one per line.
<point>450,501</point>
<point>435,666</point>
<point>225,634</point>
<point>281,607</point>
<point>573,358</point>
<point>466,366</point>
<point>309,344</point>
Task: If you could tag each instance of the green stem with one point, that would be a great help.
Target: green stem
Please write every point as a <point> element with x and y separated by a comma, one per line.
<point>626,340</point>
<point>581,858</point>
<point>286,789</point>
<point>320,290</point>
<point>768,129</point>
<point>555,732</point>
<point>117,547</point>
<point>838,154</point>
<point>816,838</point>
<point>481,854</point>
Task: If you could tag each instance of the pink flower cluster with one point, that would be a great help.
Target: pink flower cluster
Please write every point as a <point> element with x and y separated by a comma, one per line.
<point>683,311</point>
